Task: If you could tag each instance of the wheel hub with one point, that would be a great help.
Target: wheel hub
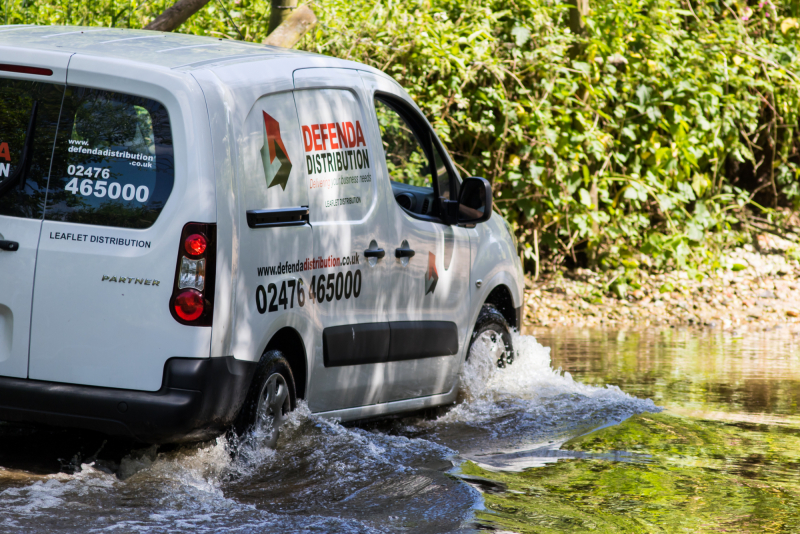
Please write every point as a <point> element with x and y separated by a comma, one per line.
<point>496,346</point>
<point>273,405</point>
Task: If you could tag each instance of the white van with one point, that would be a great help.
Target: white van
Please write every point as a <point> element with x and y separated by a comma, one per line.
<point>196,232</point>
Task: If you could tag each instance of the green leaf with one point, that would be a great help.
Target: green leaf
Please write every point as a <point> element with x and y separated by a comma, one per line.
<point>643,94</point>
<point>695,232</point>
<point>700,183</point>
<point>586,199</point>
<point>620,289</point>
<point>582,67</point>
<point>521,35</point>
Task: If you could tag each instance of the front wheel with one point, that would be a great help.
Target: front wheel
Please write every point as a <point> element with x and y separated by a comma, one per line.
<point>491,330</point>
<point>269,401</point>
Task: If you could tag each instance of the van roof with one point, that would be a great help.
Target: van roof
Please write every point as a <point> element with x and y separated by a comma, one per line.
<point>168,50</point>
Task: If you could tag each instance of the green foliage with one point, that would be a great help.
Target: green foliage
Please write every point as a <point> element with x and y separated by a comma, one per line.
<point>643,140</point>
<point>622,148</point>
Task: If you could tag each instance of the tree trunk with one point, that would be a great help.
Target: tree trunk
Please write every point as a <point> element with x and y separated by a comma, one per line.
<point>292,29</point>
<point>577,13</point>
<point>279,11</point>
<point>579,10</point>
<point>176,15</point>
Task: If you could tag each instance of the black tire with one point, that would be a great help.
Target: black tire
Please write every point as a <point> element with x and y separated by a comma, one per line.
<point>272,369</point>
<point>492,327</point>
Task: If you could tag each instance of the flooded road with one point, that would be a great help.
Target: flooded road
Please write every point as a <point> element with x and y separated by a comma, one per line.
<point>449,470</point>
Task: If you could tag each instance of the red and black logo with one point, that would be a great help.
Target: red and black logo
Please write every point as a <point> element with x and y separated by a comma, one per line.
<point>431,277</point>
<point>274,155</point>
<point>5,168</point>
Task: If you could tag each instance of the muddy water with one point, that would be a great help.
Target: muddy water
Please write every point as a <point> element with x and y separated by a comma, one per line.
<point>447,470</point>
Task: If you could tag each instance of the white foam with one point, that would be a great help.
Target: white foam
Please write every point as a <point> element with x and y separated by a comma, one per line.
<point>52,492</point>
<point>530,376</point>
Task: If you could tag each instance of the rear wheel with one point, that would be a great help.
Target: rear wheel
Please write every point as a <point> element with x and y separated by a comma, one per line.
<point>269,401</point>
<point>492,331</point>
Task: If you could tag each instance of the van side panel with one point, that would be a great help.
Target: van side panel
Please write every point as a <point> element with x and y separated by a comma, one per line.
<point>238,96</point>
<point>496,263</point>
<point>220,105</point>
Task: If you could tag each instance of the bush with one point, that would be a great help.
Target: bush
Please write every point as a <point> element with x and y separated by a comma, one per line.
<point>649,137</point>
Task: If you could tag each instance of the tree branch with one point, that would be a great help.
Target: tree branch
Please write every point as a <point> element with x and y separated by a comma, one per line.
<point>176,15</point>
<point>293,28</point>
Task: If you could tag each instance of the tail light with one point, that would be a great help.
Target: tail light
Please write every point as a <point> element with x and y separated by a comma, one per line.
<point>192,301</point>
<point>24,69</point>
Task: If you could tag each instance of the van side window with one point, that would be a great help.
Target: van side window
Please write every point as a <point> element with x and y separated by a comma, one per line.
<point>420,179</point>
<point>405,159</point>
<point>113,160</point>
<point>28,116</point>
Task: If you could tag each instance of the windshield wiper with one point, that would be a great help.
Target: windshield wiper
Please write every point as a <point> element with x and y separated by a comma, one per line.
<point>24,164</point>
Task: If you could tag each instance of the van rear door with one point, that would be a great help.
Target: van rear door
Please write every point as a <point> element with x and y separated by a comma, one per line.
<point>31,91</point>
<point>121,189</point>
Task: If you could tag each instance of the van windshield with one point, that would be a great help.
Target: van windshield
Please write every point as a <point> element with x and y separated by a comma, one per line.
<point>28,117</point>
<point>113,160</point>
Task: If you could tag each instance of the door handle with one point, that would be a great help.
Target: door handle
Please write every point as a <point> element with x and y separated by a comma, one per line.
<point>404,253</point>
<point>10,246</point>
<point>374,253</point>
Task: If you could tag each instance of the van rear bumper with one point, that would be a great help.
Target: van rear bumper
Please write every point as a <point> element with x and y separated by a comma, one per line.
<point>198,399</point>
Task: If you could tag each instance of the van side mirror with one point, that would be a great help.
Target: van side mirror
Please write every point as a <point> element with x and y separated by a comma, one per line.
<point>475,201</point>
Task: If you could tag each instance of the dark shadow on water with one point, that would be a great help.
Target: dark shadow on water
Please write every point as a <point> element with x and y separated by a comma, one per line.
<point>44,450</point>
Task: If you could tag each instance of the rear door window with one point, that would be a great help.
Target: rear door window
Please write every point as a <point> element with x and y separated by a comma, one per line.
<point>28,119</point>
<point>113,160</point>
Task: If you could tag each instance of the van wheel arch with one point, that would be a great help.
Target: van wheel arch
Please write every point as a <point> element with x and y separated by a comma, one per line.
<point>288,341</point>
<point>500,298</point>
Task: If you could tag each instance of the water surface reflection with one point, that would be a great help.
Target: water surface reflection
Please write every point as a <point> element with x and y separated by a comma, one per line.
<point>752,377</point>
<point>723,457</point>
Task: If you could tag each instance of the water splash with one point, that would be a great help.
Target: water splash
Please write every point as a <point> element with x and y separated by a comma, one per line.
<point>530,377</point>
<point>527,403</point>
